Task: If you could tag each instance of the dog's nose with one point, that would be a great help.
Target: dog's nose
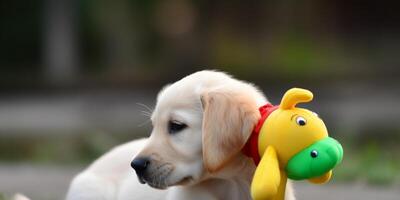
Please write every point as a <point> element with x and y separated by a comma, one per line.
<point>140,164</point>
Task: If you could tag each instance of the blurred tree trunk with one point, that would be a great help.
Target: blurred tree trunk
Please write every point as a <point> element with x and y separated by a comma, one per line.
<point>60,45</point>
<point>120,36</point>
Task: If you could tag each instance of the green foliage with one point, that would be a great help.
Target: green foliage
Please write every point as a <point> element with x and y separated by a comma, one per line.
<point>371,162</point>
<point>78,148</point>
<point>379,168</point>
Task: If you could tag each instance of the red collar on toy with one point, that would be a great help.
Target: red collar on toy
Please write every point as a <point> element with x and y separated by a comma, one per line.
<point>250,149</point>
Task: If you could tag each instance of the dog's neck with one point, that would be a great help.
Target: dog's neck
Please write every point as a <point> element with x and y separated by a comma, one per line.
<point>233,181</point>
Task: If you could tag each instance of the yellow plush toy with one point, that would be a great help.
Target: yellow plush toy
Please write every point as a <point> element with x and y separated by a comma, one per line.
<point>290,143</point>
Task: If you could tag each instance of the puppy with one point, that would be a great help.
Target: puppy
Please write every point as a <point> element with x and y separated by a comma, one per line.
<point>200,124</point>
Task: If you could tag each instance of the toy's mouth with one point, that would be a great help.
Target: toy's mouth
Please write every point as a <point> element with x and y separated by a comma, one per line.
<point>315,160</point>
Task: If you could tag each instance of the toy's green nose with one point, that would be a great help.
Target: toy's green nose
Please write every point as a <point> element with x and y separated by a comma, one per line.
<point>315,160</point>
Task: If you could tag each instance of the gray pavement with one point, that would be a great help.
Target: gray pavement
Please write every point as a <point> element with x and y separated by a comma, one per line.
<point>51,182</point>
<point>346,191</point>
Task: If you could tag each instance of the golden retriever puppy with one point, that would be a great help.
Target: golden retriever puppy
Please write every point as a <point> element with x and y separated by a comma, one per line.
<point>200,125</point>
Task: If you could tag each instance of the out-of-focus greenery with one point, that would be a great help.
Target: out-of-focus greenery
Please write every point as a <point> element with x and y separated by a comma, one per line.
<point>148,42</point>
<point>370,160</point>
<point>78,149</point>
<point>373,164</point>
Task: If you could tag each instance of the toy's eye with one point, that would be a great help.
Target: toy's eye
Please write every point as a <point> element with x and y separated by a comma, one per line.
<point>301,121</point>
<point>314,153</point>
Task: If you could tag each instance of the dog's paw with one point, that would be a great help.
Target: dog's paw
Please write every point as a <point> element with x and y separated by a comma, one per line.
<point>20,197</point>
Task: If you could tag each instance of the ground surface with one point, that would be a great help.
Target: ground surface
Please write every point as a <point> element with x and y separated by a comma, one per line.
<point>51,183</point>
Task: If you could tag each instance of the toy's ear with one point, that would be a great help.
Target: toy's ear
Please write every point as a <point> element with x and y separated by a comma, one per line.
<point>295,96</point>
<point>267,176</point>
<point>229,117</point>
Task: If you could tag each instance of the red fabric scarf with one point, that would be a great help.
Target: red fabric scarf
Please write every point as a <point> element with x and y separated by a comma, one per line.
<point>251,147</point>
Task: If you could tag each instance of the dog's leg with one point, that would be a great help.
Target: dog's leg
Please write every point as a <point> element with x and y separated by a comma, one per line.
<point>88,186</point>
<point>192,193</point>
<point>289,193</point>
<point>20,197</point>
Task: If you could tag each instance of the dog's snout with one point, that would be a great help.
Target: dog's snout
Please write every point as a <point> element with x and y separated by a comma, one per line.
<point>140,164</point>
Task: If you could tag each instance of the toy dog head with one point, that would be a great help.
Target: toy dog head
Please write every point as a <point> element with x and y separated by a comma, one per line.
<point>303,148</point>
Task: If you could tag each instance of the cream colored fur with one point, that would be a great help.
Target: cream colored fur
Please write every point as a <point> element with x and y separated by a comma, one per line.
<point>203,161</point>
<point>20,197</point>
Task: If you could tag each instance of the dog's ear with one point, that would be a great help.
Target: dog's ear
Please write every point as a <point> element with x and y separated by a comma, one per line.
<point>228,120</point>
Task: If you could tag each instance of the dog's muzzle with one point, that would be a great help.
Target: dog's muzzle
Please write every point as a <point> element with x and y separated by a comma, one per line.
<point>140,165</point>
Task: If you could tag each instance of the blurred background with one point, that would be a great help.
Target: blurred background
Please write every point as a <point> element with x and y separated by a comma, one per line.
<point>75,77</point>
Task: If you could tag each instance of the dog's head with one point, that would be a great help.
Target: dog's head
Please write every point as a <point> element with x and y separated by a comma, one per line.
<point>200,125</point>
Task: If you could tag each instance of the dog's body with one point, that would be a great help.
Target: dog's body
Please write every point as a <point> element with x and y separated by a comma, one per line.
<point>200,125</point>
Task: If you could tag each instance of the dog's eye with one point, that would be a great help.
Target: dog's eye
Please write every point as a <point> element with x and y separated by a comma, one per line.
<point>301,121</point>
<point>174,127</point>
